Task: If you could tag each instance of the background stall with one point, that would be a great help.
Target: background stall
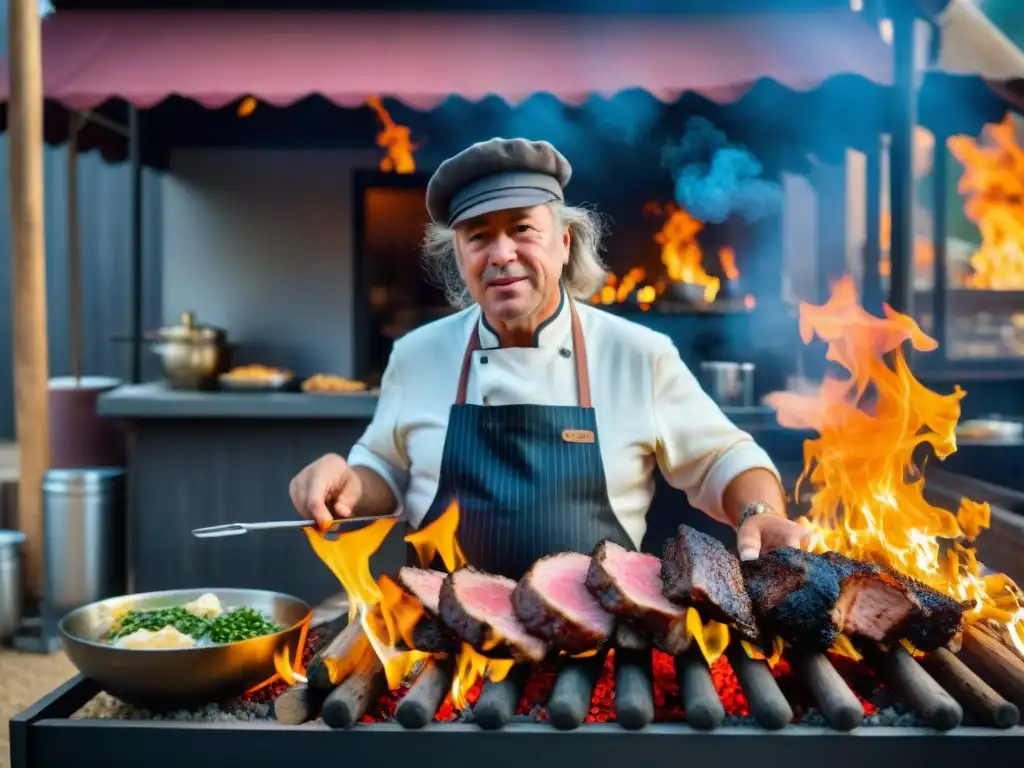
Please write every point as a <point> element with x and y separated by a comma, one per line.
<point>277,214</point>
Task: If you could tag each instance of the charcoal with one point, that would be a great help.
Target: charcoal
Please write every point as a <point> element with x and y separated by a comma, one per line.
<point>553,603</point>
<point>697,570</point>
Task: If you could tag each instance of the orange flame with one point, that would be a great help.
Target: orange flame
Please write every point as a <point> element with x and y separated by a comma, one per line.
<point>682,255</point>
<point>396,139</point>
<point>616,291</point>
<point>993,187</point>
<point>869,494</point>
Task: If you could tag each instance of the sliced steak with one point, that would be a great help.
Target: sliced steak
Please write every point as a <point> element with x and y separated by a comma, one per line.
<point>552,602</point>
<point>808,599</point>
<point>477,607</point>
<point>697,570</point>
<point>628,584</point>
<point>424,585</point>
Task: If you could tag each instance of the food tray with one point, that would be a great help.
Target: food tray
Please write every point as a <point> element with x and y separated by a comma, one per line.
<point>274,383</point>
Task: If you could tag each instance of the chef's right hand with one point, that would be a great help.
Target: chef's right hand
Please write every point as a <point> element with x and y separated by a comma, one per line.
<point>326,489</point>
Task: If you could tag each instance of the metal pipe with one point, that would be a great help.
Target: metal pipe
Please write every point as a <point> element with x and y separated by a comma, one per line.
<point>135,155</point>
<point>75,318</point>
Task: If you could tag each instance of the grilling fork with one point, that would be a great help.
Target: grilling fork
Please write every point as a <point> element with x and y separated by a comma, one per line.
<point>334,528</point>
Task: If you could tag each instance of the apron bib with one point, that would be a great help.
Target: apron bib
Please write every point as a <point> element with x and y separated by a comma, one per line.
<point>528,479</point>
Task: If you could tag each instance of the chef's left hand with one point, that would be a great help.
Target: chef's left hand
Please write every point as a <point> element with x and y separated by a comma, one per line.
<point>761,533</point>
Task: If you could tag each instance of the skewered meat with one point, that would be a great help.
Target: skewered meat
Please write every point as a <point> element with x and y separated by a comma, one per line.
<point>628,584</point>
<point>698,570</point>
<point>477,607</point>
<point>808,599</point>
<point>552,602</point>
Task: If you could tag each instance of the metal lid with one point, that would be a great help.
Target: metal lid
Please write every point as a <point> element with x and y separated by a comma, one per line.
<point>711,365</point>
<point>190,330</point>
<point>11,537</point>
<point>63,480</point>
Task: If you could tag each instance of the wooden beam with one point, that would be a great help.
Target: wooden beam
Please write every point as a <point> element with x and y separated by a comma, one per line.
<point>28,270</point>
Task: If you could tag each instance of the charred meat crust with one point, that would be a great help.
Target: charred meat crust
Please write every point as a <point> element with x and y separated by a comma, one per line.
<point>667,633</point>
<point>794,593</point>
<point>546,621</point>
<point>455,618</point>
<point>406,575</point>
<point>697,570</point>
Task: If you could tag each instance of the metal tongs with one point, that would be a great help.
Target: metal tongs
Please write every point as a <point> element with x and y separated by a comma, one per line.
<point>334,527</point>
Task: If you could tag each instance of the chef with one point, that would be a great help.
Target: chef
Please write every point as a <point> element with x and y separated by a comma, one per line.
<point>542,416</point>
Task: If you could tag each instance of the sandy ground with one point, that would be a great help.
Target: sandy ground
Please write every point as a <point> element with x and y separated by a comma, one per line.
<point>26,678</point>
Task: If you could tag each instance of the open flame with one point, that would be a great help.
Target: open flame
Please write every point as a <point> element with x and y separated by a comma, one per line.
<point>395,139</point>
<point>993,187</point>
<point>869,500</point>
<point>683,258</point>
<point>388,614</point>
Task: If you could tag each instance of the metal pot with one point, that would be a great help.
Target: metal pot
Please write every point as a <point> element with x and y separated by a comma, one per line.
<point>192,356</point>
<point>10,582</point>
<point>728,383</point>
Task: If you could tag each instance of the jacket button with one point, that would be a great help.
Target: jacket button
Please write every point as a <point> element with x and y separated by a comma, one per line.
<point>485,399</point>
<point>483,360</point>
<point>564,352</point>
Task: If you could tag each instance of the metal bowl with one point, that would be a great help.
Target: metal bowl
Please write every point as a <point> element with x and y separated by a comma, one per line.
<point>185,678</point>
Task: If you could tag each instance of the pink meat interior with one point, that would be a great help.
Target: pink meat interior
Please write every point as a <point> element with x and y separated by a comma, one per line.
<point>638,577</point>
<point>488,599</point>
<point>561,580</point>
<point>871,608</point>
<point>425,585</point>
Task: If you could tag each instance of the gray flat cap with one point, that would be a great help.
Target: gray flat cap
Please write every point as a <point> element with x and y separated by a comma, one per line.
<point>496,175</point>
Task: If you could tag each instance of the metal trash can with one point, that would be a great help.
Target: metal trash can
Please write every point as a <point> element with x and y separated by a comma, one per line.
<point>84,531</point>
<point>10,582</point>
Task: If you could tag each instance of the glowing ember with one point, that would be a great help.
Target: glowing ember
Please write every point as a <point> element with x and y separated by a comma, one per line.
<point>993,185</point>
<point>616,291</point>
<point>868,501</point>
<point>395,139</point>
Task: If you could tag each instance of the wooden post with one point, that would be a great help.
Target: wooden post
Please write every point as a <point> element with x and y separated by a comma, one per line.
<point>28,270</point>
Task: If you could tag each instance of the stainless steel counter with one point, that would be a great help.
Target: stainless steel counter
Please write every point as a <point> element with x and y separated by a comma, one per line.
<point>157,401</point>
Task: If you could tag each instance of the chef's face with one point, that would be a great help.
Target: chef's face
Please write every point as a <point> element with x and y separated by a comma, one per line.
<point>512,261</point>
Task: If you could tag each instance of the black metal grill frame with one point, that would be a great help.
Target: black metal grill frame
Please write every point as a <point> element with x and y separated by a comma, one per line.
<point>44,736</point>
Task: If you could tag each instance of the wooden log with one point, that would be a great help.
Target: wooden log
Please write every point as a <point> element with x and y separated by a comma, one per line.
<point>994,663</point>
<point>28,278</point>
<point>498,701</point>
<point>973,693</point>
<point>299,704</point>
<point>838,704</point>
<point>342,653</point>
<point>767,704</point>
<point>574,688</point>
<point>634,689</point>
<point>420,703</point>
<point>925,696</point>
<point>366,683</point>
<point>701,702</point>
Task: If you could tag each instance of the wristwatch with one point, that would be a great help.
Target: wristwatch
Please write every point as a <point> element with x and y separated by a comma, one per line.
<point>755,509</point>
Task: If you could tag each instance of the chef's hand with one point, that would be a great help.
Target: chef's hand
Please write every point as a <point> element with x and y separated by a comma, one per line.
<point>326,489</point>
<point>761,533</point>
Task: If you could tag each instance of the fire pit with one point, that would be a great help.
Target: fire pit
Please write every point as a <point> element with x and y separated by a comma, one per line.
<point>628,705</point>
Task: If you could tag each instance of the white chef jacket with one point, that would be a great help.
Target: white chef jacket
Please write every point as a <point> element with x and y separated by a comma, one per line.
<point>649,408</point>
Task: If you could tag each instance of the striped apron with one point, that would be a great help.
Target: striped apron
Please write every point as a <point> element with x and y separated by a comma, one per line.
<point>529,479</point>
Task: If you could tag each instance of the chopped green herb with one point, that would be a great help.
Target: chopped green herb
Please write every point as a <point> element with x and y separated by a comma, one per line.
<point>177,617</point>
<point>241,624</point>
<point>231,627</point>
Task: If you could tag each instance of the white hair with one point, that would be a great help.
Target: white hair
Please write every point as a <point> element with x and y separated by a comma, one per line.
<point>584,274</point>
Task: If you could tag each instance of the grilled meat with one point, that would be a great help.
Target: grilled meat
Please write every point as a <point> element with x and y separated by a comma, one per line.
<point>808,599</point>
<point>628,585</point>
<point>697,570</point>
<point>429,634</point>
<point>477,607</point>
<point>552,602</point>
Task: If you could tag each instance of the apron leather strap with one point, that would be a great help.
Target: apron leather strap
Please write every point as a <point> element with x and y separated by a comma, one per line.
<point>580,349</point>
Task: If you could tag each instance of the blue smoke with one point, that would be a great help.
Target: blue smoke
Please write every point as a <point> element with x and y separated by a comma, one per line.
<point>715,179</point>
